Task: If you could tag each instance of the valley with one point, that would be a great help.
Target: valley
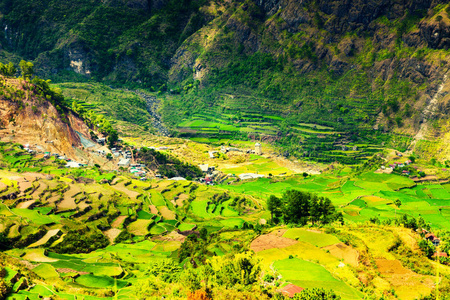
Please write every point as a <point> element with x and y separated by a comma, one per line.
<point>208,149</point>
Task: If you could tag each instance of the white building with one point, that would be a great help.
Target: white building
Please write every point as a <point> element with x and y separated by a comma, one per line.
<point>258,149</point>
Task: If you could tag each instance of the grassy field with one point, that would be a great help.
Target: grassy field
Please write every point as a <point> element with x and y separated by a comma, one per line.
<point>310,275</point>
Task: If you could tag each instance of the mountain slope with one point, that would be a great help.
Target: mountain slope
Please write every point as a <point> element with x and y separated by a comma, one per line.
<point>353,66</point>
<point>30,113</point>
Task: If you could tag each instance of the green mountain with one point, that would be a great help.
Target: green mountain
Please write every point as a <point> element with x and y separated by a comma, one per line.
<point>315,77</point>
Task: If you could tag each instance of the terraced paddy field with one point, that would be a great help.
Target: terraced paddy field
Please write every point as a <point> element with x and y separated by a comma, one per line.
<point>127,226</point>
<point>366,196</point>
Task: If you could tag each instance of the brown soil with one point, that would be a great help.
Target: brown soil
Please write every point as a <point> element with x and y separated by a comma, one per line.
<point>69,201</point>
<point>25,204</point>
<point>82,205</point>
<point>53,199</point>
<point>112,234</point>
<point>153,209</point>
<point>181,199</point>
<point>121,188</point>
<point>40,189</point>
<point>173,236</point>
<point>342,251</point>
<point>67,270</point>
<point>269,241</point>
<point>166,213</point>
<point>23,185</point>
<point>118,222</point>
<point>391,267</point>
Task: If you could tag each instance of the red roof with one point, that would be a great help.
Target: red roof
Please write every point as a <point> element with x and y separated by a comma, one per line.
<point>290,290</point>
<point>441,254</point>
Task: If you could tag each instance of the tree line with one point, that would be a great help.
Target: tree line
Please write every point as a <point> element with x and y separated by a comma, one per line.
<point>297,207</point>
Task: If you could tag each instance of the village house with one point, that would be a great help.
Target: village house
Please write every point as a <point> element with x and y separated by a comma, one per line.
<point>290,290</point>
<point>440,254</point>
<point>432,238</point>
<point>124,163</point>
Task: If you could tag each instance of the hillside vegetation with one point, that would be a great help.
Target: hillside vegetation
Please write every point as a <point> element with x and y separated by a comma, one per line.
<point>251,70</point>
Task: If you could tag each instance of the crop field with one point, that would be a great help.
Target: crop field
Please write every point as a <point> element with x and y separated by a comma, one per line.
<point>310,275</point>
<point>215,128</point>
<point>314,238</point>
<point>366,196</point>
<point>142,223</point>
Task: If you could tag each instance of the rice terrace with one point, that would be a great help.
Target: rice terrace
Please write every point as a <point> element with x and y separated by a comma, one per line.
<point>224,150</point>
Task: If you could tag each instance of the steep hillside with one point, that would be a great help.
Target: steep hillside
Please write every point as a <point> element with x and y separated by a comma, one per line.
<point>31,113</point>
<point>230,68</point>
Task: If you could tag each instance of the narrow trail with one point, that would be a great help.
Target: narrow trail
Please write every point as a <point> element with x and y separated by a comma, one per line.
<point>428,113</point>
<point>152,108</point>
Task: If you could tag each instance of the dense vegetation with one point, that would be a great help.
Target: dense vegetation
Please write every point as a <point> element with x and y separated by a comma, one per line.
<point>166,164</point>
<point>298,208</point>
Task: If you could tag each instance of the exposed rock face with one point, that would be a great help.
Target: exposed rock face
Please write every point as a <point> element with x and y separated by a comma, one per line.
<point>436,34</point>
<point>345,15</point>
<point>38,123</point>
<point>79,59</point>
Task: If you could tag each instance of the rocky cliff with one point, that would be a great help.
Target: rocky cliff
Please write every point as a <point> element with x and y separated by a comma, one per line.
<point>28,118</point>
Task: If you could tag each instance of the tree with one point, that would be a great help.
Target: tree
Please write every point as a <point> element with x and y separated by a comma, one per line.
<point>112,138</point>
<point>26,68</point>
<point>397,203</point>
<point>242,268</point>
<point>274,205</point>
<point>427,248</point>
<point>203,233</point>
<point>7,70</point>
<point>4,242</point>
<point>316,294</point>
<point>296,206</point>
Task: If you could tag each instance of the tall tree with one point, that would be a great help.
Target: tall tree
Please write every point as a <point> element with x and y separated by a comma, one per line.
<point>274,205</point>
<point>26,68</point>
<point>296,206</point>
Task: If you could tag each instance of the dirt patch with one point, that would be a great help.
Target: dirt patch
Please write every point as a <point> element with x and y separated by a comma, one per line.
<point>53,199</point>
<point>67,203</point>
<point>173,236</point>
<point>344,252</point>
<point>391,267</point>
<point>118,222</point>
<point>69,200</point>
<point>153,209</point>
<point>181,199</point>
<point>269,241</point>
<point>166,213</point>
<point>121,188</point>
<point>83,205</point>
<point>112,234</point>
<point>67,270</point>
<point>24,185</point>
<point>40,189</point>
<point>25,204</point>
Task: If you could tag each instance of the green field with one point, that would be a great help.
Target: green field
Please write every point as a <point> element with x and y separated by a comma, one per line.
<point>314,238</point>
<point>310,275</point>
